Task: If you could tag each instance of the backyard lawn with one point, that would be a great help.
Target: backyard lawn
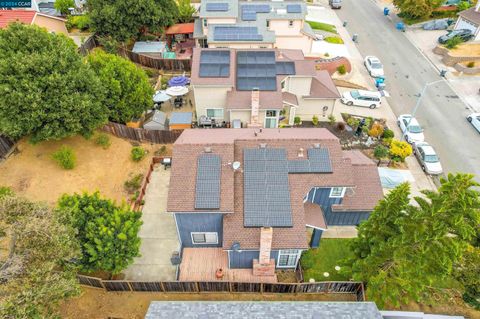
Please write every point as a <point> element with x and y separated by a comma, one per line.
<point>315,262</point>
<point>322,26</point>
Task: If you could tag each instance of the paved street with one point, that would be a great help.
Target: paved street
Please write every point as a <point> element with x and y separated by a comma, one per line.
<point>442,113</point>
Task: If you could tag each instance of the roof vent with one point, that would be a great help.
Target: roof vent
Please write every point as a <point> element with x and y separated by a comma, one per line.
<point>316,145</point>
<point>300,152</point>
<point>263,145</point>
<point>236,165</point>
<point>207,149</point>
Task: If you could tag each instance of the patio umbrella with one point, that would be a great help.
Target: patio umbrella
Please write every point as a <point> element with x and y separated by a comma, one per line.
<point>161,96</point>
<point>177,90</point>
<point>178,81</point>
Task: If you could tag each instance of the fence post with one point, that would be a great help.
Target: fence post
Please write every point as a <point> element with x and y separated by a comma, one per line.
<point>261,288</point>
<point>129,286</point>
<point>162,286</point>
<point>197,286</point>
<point>327,289</point>
<point>230,289</point>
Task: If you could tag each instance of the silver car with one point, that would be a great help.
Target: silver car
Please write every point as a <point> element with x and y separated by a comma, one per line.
<point>474,118</point>
<point>427,157</point>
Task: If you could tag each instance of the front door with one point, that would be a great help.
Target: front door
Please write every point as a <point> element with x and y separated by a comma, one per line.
<point>271,119</point>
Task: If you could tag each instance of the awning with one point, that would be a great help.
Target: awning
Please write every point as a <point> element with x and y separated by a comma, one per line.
<point>314,216</point>
<point>180,28</point>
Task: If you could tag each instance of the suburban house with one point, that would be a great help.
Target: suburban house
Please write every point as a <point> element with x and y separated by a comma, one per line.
<point>51,23</point>
<point>259,88</point>
<point>243,199</point>
<point>470,19</point>
<point>259,24</point>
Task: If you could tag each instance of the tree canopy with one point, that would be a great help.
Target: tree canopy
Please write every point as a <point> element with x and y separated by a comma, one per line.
<point>36,274</point>
<point>185,11</point>
<point>64,5</point>
<point>402,249</point>
<point>417,8</point>
<point>107,233</point>
<point>46,90</point>
<point>129,92</point>
<point>123,19</point>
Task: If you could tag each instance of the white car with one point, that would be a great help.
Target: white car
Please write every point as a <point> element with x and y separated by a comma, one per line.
<point>427,157</point>
<point>474,118</point>
<point>361,98</point>
<point>374,66</point>
<point>411,129</point>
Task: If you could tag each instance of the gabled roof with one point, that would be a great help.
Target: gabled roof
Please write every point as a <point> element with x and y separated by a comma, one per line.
<point>10,16</point>
<point>472,15</point>
<point>180,28</point>
<point>322,87</point>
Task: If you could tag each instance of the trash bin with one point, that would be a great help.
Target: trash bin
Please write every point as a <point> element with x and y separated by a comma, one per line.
<point>355,37</point>
<point>345,23</point>
<point>400,26</point>
<point>386,11</point>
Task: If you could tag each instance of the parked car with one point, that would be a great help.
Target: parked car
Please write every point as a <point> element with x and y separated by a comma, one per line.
<point>474,118</point>
<point>428,158</point>
<point>463,34</point>
<point>335,4</point>
<point>440,24</point>
<point>411,129</point>
<point>374,66</point>
<point>361,98</point>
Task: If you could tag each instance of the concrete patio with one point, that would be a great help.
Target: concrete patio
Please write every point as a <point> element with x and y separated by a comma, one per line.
<point>158,234</point>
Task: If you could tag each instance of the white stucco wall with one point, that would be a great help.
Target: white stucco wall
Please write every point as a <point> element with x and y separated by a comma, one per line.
<point>281,27</point>
<point>307,108</point>
<point>298,85</point>
<point>210,97</point>
<point>301,42</point>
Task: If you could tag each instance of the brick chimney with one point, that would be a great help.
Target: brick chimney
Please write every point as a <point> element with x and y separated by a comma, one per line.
<point>265,266</point>
<point>255,106</point>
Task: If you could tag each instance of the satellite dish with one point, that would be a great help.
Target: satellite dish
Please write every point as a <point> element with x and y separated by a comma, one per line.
<point>236,246</point>
<point>236,165</point>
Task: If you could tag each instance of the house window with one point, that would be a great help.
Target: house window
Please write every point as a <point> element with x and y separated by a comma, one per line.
<point>268,24</point>
<point>282,84</point>
<point>215,113</point>
<point>204,238</point>
<point>290,23</point>
<point>204,22</point>
<point>270,119</point>
<point>337,192</point>
<point>288,258</point>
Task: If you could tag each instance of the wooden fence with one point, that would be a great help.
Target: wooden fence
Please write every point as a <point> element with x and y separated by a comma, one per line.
<point>6,146</point>
<point>142,135</point>
<point>157,63</point>
<point>138,203</point>
<point>88,45</point>
<point>326,287</point>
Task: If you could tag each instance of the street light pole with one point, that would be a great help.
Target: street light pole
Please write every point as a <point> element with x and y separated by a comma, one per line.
<point>417,105</point>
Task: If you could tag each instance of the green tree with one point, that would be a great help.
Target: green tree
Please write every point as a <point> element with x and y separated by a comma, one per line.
<point>123,19</point>
<point>46,91</point>
<point>63,6</point>
<point>403,249</point>
<point>417,8</point>
<point>36,273</point>
<point>129,92</point>
<point>107,233</point>
<point>467,273</point>
<point>185,11</point>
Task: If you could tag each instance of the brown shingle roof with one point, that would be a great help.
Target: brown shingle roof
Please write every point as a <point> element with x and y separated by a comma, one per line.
<point>289,98</point>
<point>471,15</point>
<point>243,100</point>
<point>323,87</point>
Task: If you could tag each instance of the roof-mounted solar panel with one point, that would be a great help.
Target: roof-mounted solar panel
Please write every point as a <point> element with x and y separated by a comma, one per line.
<point>214,64</point>
<point>285,68</point>
<point>217,7</point>
<point>207,187</point>
<point>294,8</point>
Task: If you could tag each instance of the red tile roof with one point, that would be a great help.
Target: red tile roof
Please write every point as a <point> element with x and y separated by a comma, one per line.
<point>22,16</point>
<point>180,28</point>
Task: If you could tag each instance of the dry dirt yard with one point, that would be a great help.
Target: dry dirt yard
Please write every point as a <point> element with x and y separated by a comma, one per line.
<point>31,172</point>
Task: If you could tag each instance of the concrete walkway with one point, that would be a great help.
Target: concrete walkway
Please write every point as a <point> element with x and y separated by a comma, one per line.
<point>158,234</point>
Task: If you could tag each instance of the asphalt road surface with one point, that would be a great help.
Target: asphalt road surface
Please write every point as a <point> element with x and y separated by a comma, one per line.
<point>441,113</point>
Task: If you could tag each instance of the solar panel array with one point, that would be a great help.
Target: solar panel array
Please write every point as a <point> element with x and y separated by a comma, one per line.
<point>236,34</point>
<point>294,8</point>
<point>217,7</point>
<point>207,187</point>
<point>256,70</point>
<point>249,11</point>
<point>318,162</point>
<point>214,64</point>
<point>285,68</point>
<point>266,191</point>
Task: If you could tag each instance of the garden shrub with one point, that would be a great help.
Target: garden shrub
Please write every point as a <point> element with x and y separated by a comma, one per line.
<point>326,54</point>
<point>133,184</point>
<point>353,122</point>
<point>315,120</point>
<point>388,133</point>
<point>331,119</point>
<point>161,151</point>
<point>380,152</point>
<point>453,42</point>
<point>103,140</point>
<point>5,191</point>
<point>109,44</point>
<point>297,120</point>
<point>138,153</point>
<point>471,64</point>
<point>400,150</point>
<point>334,40</point>
<point>341,69</point>
<point>65,157</point>
<point>341,126</point>
<point>80,22</point>
<point>463,5</point>
<point>376,130</point>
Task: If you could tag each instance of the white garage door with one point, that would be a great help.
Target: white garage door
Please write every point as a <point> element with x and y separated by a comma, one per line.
<point>464,24</point>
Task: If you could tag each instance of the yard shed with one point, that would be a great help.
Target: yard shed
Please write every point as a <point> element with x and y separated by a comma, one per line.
<point>180,120</point>
<point>156,120</point>
<point>154,49</point>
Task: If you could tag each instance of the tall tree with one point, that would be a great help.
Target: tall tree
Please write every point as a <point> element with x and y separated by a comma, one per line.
<point>185,11</point>
<point>46,90</point>
<point>129,92</point>
<point>35,274</point>
<point>402,248</point>
<point>417,8</point>
<point>123,19</point>
<point>108,234</point>
<point>64,5</point>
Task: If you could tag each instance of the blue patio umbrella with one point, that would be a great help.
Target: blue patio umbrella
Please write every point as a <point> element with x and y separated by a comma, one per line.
<point>178,81</point>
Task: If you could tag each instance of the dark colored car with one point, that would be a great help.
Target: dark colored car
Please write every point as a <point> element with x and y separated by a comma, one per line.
<point>463,34</point>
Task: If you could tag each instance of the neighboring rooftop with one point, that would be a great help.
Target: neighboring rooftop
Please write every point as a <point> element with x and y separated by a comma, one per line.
<point>472,14</point>
<point>180,28</point>
<point>10,16</point>
<point>149,47</point>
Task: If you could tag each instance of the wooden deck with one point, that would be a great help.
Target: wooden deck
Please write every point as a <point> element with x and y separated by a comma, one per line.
<point>200,264</point>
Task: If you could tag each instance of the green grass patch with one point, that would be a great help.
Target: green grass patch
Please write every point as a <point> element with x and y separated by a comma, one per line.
<point>334,40</point>
<point>317,261</point>
<point>322,26</point>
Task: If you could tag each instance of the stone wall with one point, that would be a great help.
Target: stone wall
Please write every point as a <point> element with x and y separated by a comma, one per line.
<point>466,70</point>
<point>451,60</point>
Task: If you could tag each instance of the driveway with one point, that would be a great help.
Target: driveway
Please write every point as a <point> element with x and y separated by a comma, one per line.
<point>442,113</point>
<point>158,234</point>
